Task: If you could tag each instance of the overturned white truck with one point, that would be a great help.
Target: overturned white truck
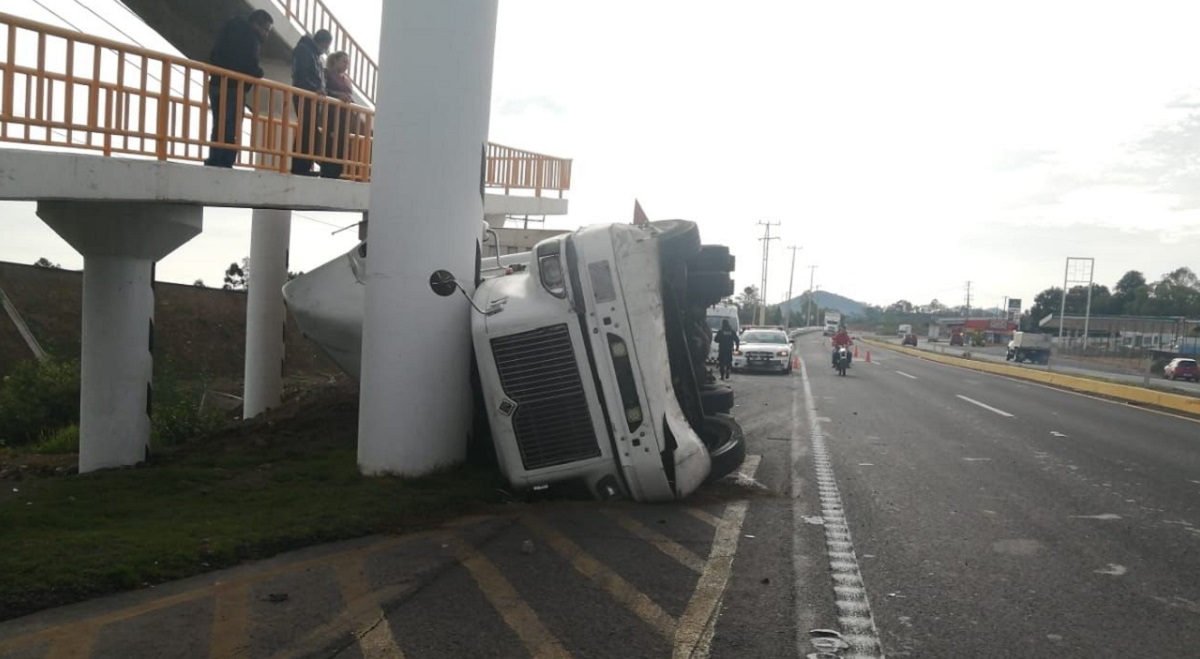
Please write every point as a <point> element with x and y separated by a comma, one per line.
<point>591,356</point>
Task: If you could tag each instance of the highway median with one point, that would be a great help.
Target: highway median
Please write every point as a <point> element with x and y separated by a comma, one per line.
<point>1188,405</point>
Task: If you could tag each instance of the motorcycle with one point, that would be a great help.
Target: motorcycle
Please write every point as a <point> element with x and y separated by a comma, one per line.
<point>843,360</point>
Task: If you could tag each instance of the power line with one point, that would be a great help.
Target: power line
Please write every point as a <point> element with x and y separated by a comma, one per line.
<point>328,224</point>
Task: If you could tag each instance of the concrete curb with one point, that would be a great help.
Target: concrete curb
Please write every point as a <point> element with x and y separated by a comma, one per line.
<point>1158,399</point>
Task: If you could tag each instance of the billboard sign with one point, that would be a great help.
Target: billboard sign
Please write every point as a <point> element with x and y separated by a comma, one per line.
<point>1014,308</point>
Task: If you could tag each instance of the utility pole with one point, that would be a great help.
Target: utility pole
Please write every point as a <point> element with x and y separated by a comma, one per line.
<point>762,292</point>
<point>967,315</point>
<point>812,271</point>
<point>787,310</point>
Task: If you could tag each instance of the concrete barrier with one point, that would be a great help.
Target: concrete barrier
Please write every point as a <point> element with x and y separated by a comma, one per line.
<point>1142,396</point>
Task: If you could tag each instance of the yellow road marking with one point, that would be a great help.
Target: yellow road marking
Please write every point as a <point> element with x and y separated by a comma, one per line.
<point>659,541</point>
<point>693,637</point>
<point>612,583</point>
<point>508,603</point>
<point>704,516</point>
<point>54,632</point>
<point>231,621</point>
<point>77,643</point>
<point>375,638</point>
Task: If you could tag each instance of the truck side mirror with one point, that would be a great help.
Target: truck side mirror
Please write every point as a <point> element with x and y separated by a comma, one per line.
<point>443,283</point>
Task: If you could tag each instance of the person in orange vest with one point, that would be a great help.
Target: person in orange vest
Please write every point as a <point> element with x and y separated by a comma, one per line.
<point>842,338</point>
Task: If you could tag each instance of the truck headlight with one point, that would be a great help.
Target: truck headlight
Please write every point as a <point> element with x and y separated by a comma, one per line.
<point>550,269</point>
<point>783,353</point>
<point>738,353</point>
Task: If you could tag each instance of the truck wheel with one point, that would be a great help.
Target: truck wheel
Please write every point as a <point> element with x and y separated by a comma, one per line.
<point>727,445</point>
<point>708,288</point>
<point>677,238</point>
<point>712,257</point>
<point>716,399</point>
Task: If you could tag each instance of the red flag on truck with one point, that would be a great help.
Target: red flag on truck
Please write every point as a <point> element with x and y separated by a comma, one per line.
<point>639,215</point>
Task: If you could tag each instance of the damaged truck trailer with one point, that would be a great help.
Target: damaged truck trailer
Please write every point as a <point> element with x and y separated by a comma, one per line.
<point>591,356</point>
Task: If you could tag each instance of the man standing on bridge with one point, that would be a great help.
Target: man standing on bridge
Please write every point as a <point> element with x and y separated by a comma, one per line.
<point>237,49</point>
<point>308,72</point>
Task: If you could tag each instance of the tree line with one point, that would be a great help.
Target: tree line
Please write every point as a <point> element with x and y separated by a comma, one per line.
<point>1176,293</point>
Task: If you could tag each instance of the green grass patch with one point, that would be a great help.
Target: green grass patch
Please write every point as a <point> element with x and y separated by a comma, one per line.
<point>63,440</point>
<point>206,504</point>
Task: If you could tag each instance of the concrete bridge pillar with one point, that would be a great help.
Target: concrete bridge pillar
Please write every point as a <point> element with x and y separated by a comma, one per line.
<point>426,208</point>
<point>120,242</point>
<point>266,315</point>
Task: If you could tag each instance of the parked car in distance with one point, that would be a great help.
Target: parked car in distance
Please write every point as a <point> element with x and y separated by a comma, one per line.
<point>1182,367</point>
<point>763,349</point>
<point>909,340</point>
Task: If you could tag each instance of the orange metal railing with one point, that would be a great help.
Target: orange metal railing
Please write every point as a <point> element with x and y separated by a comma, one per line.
<point>511,168</point>
<point>313,15</point>
<point>70,91</point>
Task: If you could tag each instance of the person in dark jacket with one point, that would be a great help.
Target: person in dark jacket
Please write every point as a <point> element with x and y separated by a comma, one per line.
<point>308,72</point>
<point>726,339</point>
<point>237,49</point>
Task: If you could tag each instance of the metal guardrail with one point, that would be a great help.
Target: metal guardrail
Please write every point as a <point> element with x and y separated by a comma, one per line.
<point>71,91</point>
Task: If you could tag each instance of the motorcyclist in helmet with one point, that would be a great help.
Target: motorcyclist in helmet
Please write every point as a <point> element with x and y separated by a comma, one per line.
<point>842,338</point>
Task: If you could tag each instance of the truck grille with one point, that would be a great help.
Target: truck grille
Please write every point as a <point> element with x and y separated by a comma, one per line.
<point>539,372</point>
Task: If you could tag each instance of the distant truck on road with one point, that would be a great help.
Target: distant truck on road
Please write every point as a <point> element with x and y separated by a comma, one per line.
<point>833,320</point>
<point>904,331</point>
<point>1029,347</point>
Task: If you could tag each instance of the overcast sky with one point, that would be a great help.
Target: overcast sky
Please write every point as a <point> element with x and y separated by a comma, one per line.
<point>907,147</point>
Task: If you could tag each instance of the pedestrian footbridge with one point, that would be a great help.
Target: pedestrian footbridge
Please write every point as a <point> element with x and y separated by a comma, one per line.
<point>109,139</point>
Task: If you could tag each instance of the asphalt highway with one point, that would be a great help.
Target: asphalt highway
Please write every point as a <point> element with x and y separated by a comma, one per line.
<point>1064,364</point>
<point>995,518</point>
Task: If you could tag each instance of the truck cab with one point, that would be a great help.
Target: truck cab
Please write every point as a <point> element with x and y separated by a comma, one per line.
<point>592,363</point>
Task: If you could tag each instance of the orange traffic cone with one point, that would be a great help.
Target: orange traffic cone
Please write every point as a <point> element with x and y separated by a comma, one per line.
<point>796,361</point>
<point>855,351</point>
<point>868,356</point>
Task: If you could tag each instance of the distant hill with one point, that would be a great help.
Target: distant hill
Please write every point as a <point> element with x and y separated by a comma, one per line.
<point>827,300</point>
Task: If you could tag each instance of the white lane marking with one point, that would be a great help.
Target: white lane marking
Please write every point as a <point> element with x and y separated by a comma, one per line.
<point>1113,569</point>
<point>910,377</point>
<point>977,459</point>
<point>850,593</point>
<point>1104,516</point>
<point>984,406</point>
<point>698,624</point>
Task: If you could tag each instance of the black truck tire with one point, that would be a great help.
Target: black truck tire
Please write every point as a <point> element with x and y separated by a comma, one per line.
<point>727,445</point>
<point>678,238</point>
<point>708,287</point>
<point>716,399</point>
<point>712,258</point>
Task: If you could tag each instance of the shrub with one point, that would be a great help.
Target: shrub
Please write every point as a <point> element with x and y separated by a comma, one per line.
<point>63,440</point>
<point>176,415</point>
<point>37,397</point>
